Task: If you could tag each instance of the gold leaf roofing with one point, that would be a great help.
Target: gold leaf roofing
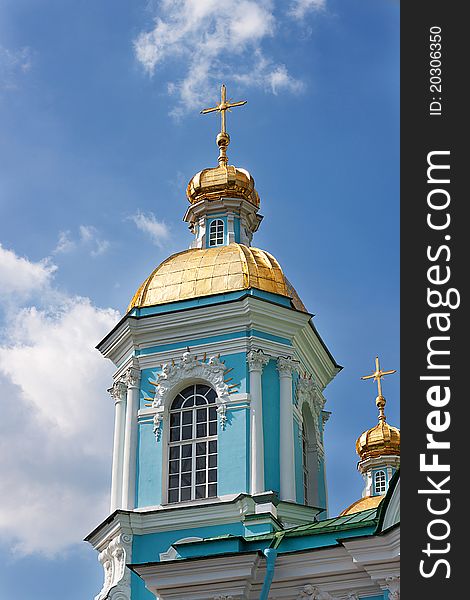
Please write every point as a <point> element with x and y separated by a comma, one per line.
<point>381,440</point>
<point>362,504</point>
<point>205,271</point>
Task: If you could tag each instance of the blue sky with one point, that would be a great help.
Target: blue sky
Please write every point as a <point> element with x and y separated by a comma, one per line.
<point>100,133</point>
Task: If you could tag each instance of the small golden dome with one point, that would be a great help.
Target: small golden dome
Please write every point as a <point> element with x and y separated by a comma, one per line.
<point>381,440</point>
<point>206,271</point>
<point>222,182</point>
<point>362,504</point>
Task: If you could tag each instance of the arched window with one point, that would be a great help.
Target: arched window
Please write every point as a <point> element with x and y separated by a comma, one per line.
<point>192,466</point>
<point>310,474</point>
<point>216,232</point>
<point>380,482</point>
<point>305,464</point>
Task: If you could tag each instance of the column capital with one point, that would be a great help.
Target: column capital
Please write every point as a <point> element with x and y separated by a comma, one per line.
<point>131,377</point>
<point>285,366</point>
<point>117,391</point>
<point>256,360</point>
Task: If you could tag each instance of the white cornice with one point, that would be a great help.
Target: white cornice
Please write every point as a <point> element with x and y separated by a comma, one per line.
<point>225,319</point>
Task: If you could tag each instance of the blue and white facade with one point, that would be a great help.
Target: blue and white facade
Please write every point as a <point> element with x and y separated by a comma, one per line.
<point>219,438</point>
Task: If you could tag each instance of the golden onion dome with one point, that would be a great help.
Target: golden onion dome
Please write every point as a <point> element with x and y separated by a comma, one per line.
<point>381,440</point>
<point>202,272</point>
<point>222,182</point>
<point>362,504</point>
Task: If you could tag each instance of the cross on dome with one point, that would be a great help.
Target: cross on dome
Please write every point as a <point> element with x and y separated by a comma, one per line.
<point>223,139</point>
<point>377,376</point>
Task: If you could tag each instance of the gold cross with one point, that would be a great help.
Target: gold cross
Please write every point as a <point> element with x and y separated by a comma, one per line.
<point>223,106</point>
<point>378,374</point>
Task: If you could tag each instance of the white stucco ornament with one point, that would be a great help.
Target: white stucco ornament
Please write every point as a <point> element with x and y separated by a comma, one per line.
<point>117,579</point>
<point>189,370</point>
<point>393,585</point>
<point>310,592</point>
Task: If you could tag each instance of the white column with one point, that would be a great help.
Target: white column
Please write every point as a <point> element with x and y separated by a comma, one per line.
<point>230,228</point>
<point>256,361</point>
<point>131,378</point>
<point>285,367</point>
<point>118,394</point>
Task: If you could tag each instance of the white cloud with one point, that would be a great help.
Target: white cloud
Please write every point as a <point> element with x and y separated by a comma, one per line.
<point>300,8</point>
<point>19,277</point>
<point>13,64</point>
<point>157,230</point>
<point>216,40</point>
<point>88,239</point>
<point>56,426</point>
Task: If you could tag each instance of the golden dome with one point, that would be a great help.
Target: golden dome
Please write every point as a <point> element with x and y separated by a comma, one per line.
<point>205,271</point>
<point>381,440</point>
<point>362,504</point>
<point>222,182</point>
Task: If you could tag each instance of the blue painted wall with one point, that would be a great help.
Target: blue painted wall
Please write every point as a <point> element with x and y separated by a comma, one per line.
<point>233,449</point>
<point>147,548</point>
<point>271,415</point>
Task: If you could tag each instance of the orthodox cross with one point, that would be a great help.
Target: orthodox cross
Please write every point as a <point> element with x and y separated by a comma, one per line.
<point>377,376</point>
<point>222,107</point>
<point>223,139</point>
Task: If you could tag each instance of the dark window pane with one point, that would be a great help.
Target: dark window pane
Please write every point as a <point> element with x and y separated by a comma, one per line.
<point>213,460</point>
<point>200,477</point>
<point>174,452</point>
<point>187,392</point>
<point>186,450</point>
<point>177,402</point>
<point>201,462</point>
<point>202,389</point>
<point>211,395</point>
<point>201,448</point>
<point>212,447</point>
<point>174,420</point>
<point>186,465</point>
<point>189,402</point>
<point>174,434</point>
<point>174,466</point>
<point>200,491</point>
<point>201,415</point>
<point>201,430</point>
<point>173,496</point>
<point>213,428</point>
<point>187,417</point>
<point>185,479</point>
<point>212,490</point>
<point>212,475</point>
<point>185,493</point>
<point>212,413</point>
<point>173,481</point>
<point>200,401</point>
<point>187,432</point>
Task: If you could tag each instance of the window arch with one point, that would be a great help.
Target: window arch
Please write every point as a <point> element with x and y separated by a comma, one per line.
<point>310,472</point>
<point>216,232</point>
<point>380,482</point>
<point>192,452</point>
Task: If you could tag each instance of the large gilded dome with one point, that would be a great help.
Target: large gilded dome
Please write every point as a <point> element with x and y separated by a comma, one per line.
<point>205,271</point>
<point>381,440</point>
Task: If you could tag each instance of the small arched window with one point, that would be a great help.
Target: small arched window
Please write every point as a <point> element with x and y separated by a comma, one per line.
<point>216,232</point>
<point>305,465</point>
<point>192,466</point>
<point>380,482</point>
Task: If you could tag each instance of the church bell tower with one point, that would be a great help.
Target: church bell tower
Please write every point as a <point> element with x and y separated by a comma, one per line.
<point>218,391</point>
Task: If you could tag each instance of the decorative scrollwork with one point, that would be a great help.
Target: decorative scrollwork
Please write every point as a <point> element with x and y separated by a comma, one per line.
<point>189,368</point>
<point>117,583</point>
